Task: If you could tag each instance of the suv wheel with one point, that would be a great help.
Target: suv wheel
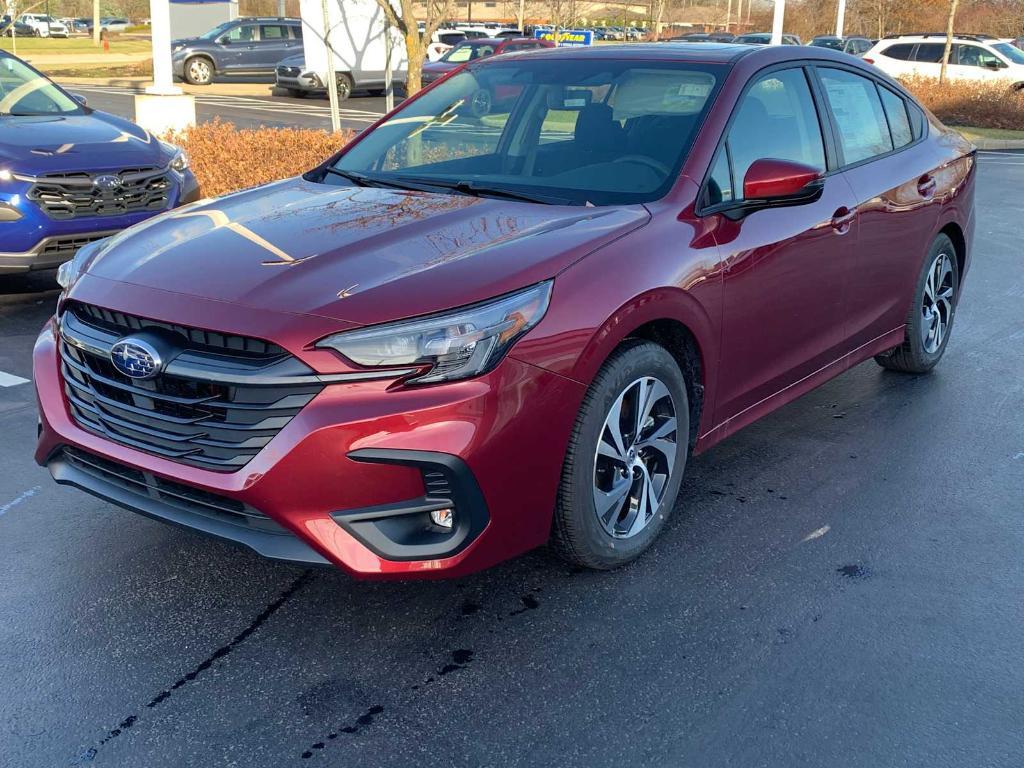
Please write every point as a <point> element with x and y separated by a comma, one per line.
<point>199,70</point>
<point>625,459</point>
<point>931,314</point>
<point>344,86</point>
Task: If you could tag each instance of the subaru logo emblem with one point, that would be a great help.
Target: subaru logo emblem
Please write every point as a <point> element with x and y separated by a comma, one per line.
<point>136,358</point>
<point>107,183</point>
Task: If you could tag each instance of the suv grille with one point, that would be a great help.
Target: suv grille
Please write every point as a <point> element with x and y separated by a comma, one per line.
<point>218,402</point>
<point>169,492</point>
<point>72,195</point>
<point>288,71</point>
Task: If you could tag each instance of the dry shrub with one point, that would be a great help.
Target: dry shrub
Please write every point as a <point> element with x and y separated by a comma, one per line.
<point>982,105</point>
<point>225,158</point>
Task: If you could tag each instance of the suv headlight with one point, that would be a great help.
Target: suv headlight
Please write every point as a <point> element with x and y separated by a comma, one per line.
<point>456,345</point>
<point>179,160</point>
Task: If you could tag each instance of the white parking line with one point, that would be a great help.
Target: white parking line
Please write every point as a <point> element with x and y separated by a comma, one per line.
<point>10,380</point>
<point>18,499</point>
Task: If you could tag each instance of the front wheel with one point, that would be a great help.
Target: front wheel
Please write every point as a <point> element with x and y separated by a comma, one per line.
<point>199,71</point>
<point>625,459</point>
<point>932,310</point>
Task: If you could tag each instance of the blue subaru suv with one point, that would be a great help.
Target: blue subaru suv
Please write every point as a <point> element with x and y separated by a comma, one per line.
<point>246,46</point>
<point>70,175</point>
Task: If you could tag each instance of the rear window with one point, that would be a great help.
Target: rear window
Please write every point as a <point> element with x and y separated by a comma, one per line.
<point>930,53</point>
<point>896,113</point>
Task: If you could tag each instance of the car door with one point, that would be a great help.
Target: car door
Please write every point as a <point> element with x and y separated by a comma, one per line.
<point>972,62</point>
<point>272,47</point>
<point>786,269</point>
<point>892,179</point>
<point>237,46</point>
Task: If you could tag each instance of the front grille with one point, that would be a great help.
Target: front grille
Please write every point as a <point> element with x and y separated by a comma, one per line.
<point>65,196</point>
<point>184,497</point>
<point>210,409</point>
<point>67,247</point>
<point>288,71</point>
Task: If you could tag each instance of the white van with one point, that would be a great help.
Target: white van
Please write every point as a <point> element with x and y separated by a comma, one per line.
<point>357,40</point>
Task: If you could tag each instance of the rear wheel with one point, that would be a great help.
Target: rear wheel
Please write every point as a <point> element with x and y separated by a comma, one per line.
<point>625,459</point>
<point>344,86</point>
<point>199,70</point>
<point>930,319</point>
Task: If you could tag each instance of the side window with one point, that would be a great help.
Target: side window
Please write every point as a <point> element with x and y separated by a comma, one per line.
<point>719,188</point>
<point>857,109</point>
<point>899,122</point>
<point>901,51</point>
<point>930,53</point>
<point>272,33</point>
<point>974,56</point>
<point>777,120</point>
<point>296,31</point>
<point>244,33</point>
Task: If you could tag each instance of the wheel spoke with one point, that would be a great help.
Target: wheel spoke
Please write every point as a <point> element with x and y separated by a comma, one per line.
<point>609,504</point>
<point>613,426</point>
<point>654,391</point>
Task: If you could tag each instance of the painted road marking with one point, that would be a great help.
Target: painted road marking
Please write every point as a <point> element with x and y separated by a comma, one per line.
<point>10,380</point>
<point>19,499</point>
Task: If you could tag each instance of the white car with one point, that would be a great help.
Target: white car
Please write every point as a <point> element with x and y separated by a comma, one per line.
<point>45,26</point>
<point>972,57</point>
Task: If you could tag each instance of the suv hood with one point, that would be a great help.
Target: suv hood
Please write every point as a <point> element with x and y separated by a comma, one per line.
<point>358,254</point>
<point>92,141</point>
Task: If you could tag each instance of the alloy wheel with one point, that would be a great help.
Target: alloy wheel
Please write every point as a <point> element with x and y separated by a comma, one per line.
<point>199,71</point>
<point>635,457</point>
<point>937,303</point>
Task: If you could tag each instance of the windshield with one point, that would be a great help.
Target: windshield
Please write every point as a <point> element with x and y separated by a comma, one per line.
<point>467,52</point>
<point>584,131</point>
<point>216,31</point>
<point>1010,51</point>
<point>25,92</point>
<point>828,42</point>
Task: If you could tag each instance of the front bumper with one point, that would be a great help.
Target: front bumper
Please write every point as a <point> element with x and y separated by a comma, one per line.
<point>351,479</point>
<point>308,82</point>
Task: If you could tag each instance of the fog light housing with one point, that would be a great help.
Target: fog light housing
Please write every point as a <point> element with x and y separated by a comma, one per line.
<point>443,518</point>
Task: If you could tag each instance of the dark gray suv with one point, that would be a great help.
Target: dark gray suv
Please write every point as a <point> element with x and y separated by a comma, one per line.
<point>246,46</point>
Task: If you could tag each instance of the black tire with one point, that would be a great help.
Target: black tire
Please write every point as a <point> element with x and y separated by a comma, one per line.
<point>578,535</point>
<point>914,355</point>
<point>377,92</point>
<point>296,93</point>
<point>344,86</point>
<point>199,70</point>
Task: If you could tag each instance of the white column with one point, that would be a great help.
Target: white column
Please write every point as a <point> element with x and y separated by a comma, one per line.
<point>163,107</point>
<point>780,12</point>
<point>840,17</point>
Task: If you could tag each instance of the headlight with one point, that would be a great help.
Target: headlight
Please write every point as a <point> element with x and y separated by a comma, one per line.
<point>5,175</point>
<point>179,161</point>
<point>69,272</point>
<point>456,345</point>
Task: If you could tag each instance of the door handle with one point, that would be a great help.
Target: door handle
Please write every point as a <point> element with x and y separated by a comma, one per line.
<point>842,219</point>
<point>926,185</point>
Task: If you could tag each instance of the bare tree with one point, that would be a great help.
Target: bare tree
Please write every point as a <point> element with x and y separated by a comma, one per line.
<point>949,39</point>
<point>404,20</point>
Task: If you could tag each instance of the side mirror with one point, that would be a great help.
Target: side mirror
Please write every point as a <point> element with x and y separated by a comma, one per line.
<point>993,64</point>
<point>80,99</point>
<point>224,40</point>
<point>771,183</point>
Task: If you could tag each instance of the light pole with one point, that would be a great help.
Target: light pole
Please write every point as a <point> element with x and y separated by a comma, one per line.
<point>840,17</point>
<point>780,12</point>
<point>331,76</point>
<point>163,107</point>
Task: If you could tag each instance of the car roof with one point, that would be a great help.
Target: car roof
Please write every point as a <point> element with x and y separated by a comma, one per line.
<point>703,52</point>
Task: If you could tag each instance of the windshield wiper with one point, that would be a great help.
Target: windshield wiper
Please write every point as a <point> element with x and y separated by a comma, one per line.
<point>364,180</point>
<point>483,190</point>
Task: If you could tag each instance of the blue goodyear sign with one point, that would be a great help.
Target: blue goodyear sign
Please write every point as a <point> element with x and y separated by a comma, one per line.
<point>567,38</point>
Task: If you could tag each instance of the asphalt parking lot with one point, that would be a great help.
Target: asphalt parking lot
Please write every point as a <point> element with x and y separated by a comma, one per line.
<point>840,586</point>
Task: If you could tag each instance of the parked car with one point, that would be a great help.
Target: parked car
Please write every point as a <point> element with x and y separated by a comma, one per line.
<point>855,46</point>
<point>471,50</point>
<point>443,41</point>
<point>702,37</point>
<point>292,75</point>
<point>247,46</point>
<point>110,24</point>
<point>465,335</point>
<point>764,38</point>
<point>70,175</point>
<point>10,28</point>
<point>45,26</point>
<point>972,57</point>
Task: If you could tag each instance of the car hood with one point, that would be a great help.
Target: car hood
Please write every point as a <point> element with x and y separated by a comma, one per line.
<point>361,255</point>
<point>439,67</point>
<point>78,142</point>
<point>298,60</point>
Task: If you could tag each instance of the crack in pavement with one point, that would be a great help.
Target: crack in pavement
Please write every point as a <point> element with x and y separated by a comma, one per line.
<point>90,753</point>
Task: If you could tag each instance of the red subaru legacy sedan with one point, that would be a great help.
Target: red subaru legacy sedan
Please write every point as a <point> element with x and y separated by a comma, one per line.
<point>472,332</point>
